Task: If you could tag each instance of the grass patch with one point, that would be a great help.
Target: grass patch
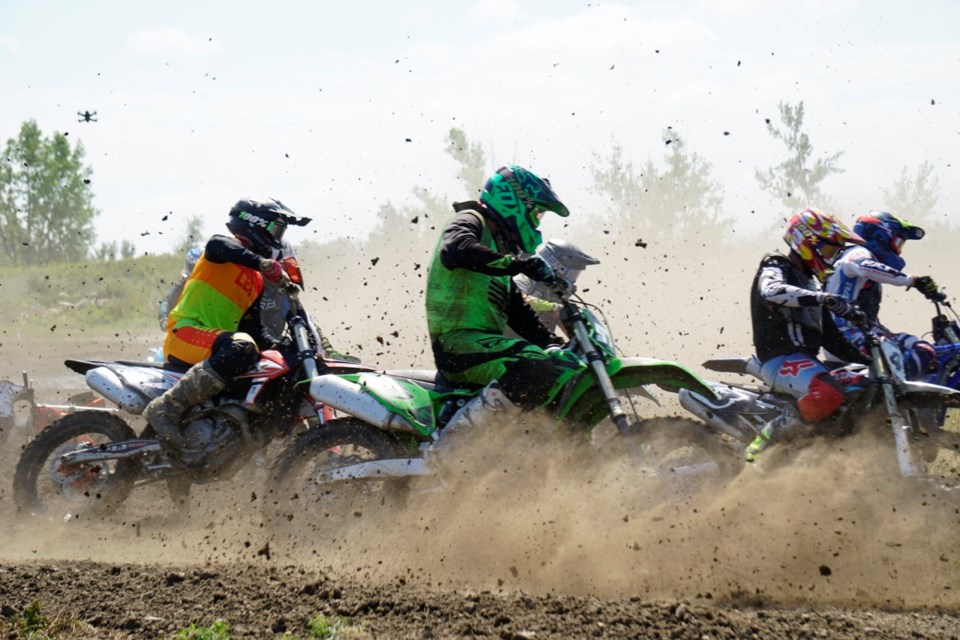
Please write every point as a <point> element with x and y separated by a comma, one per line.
<point>33,624</point>
<point>217,631</point>
<point>115,294</point>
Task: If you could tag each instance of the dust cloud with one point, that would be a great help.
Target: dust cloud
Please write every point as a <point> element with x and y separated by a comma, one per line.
<point>520,506</point>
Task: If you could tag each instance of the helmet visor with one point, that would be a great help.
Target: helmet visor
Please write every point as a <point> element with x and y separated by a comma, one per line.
<point>275,230</point>
<point>896,243</point>
<point>828,251</point>
<point>536,215</point>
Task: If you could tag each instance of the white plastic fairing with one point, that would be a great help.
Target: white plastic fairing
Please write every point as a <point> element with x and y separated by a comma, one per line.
<point>130,388</point>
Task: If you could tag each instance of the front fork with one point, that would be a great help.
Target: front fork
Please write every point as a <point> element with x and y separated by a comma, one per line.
<point>597,364</point>
<point>906,460</point>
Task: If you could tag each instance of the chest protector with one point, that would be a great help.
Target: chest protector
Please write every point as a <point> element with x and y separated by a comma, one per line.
<point>780,330</point>
<point>217,295</point>
<point>459,298</point>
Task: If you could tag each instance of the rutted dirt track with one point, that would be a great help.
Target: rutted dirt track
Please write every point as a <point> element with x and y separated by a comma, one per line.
<point>528,541</point>
<point>123,600</point>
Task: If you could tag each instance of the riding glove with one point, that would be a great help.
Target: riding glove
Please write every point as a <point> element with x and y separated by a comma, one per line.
<point>842,307</point>
<point>271,270</point>
<point>537,269</point>
<point>926,286</point>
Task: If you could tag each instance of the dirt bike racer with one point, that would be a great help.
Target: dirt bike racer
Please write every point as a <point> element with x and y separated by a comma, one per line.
<point>471,297</point>
<point>567,262</point>
<point>790,326</point>
<point>861,271</point>
<point>173,293</point>
<point>216,323</point>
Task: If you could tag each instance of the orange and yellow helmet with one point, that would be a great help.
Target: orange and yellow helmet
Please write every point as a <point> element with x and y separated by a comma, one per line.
<point>817,237</point>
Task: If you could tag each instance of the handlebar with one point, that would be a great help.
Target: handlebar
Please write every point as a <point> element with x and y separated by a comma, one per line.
<point>561,288</point>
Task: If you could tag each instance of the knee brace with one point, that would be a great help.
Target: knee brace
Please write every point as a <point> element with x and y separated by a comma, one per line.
<point>823,397</point>
<point>233,354</point>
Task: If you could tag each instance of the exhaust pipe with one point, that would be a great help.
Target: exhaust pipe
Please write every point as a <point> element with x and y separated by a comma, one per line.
<point>350,398</point>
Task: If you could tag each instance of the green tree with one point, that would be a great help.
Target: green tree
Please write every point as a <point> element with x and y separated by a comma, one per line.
<point>914,197</point>
<point>106,251</point>
<point>417,225</point>
<point>470,157</point>
<point>796,181</point>
<point>192,235</point>
<point>681,199</point>
<point>677,199</point>
<point>46,209</point>
<point>127,249</point>
<point>622,185</point>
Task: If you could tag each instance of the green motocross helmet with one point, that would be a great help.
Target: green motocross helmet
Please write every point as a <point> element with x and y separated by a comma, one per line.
<point>519,198</point>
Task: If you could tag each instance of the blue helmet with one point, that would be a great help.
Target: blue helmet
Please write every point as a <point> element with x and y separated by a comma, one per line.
<point>884,235</point>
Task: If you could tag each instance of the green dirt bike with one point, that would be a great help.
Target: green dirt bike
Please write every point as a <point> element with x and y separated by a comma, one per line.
<point>393,418</point>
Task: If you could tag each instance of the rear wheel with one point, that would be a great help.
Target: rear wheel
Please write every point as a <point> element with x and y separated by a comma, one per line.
<point>300,491</point>
<point>45,486</point>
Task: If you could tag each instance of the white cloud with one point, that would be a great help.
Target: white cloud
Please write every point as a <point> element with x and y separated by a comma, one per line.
<point>12,45</point>
<point>171,40</point>
<point>751,9</point>
<point>495,10</point>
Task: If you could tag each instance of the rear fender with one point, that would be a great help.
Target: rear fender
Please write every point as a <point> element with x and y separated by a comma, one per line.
<point>586,404</point>
<point>130,387</point>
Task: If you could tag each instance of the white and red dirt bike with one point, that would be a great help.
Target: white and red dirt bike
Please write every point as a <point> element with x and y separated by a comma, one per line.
<point>91,460</point>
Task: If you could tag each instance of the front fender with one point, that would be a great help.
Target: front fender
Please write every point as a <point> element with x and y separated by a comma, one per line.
<point>934,394</point>
<point>670,376</point>
<point>586,405</point>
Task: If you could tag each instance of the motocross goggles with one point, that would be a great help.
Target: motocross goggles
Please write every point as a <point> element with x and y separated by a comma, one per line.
<point>828,251</point>
<point>896,243</point>
<point>275,229</point>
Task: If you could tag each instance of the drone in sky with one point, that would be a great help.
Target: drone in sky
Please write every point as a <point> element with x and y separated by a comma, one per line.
<point>87,116</point>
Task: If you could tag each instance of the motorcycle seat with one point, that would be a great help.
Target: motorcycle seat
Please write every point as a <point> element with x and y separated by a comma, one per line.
<point>82,366</point>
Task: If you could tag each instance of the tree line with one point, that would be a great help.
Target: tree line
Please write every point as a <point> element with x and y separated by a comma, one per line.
<point>47,213</point>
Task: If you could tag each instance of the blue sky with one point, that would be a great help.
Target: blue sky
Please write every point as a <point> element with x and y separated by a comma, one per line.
<point>200,103</point>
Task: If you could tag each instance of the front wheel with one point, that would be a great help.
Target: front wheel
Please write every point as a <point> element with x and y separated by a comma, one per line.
<point>935,446</point>
<point>299,491</point>
<point>45,486</point>
<point>684,457</point>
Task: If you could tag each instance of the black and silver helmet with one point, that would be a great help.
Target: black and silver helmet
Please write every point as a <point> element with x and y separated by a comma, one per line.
<point>262,223</point>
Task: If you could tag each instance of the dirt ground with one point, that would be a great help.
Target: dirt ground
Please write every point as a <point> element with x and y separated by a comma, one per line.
<point>526,540</point>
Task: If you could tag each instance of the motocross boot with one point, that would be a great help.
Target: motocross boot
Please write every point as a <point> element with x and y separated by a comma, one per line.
<point>786,423</point>
<point>198,384</point>
<point>490,402</point>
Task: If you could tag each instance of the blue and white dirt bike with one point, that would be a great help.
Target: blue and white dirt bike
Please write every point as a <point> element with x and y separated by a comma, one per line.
<point>946,372</point>
<point>393,418</point>
<point>878,396</point>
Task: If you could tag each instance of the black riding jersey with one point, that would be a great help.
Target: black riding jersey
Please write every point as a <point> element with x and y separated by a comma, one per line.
<point>787,315</point>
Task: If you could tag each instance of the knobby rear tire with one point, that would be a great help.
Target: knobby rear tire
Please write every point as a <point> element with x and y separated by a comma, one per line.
<point>103,487</point>
<point>321,449</point>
